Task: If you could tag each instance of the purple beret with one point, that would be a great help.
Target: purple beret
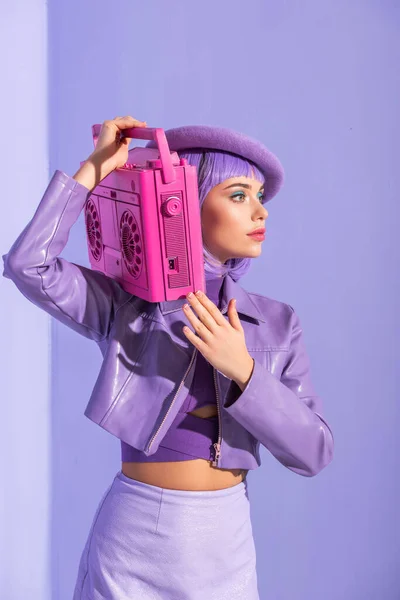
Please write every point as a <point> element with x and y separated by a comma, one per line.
<point>228,140</point>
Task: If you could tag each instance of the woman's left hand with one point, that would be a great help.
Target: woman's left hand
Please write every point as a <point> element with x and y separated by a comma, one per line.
<point>222,343</point>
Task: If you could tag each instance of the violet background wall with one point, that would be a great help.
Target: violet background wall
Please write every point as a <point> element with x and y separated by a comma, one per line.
<point>318,83</point>
<point>26,353</point>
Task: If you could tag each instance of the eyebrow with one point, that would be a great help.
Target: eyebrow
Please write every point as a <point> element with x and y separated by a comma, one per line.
<point>244,185</point>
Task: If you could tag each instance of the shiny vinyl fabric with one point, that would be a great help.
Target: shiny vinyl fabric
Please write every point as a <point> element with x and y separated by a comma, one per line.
<point>154,543</point>
<point>148,363</point>
<point>188,436</point>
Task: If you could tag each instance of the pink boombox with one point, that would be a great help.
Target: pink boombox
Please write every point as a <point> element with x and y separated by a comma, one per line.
<point>143,222</point>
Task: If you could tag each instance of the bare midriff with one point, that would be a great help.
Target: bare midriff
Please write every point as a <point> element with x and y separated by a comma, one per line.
<point>197,474</point>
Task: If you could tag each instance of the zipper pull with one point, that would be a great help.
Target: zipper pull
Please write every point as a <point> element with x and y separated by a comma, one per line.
<point>217,447</point>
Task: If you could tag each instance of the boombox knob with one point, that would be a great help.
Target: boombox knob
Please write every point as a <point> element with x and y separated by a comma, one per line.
<point>172,207</point>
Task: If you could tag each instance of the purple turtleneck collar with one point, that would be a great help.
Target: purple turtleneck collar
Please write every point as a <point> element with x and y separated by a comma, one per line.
<point>214,286</point>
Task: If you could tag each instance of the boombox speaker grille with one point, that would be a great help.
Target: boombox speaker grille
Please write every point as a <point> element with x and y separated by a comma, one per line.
<point>131,245</point>
<point>93,230</point>
<point>176,246</point>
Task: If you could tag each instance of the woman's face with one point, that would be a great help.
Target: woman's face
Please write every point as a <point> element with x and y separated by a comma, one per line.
<point>230,211</point>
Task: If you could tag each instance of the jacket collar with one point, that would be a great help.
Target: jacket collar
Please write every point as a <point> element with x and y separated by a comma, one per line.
<point>231,289</point>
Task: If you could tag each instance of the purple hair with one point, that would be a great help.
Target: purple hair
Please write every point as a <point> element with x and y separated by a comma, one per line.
<point>213,167</point>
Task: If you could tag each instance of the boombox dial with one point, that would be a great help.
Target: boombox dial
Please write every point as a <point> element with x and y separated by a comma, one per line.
<point>172,207</point>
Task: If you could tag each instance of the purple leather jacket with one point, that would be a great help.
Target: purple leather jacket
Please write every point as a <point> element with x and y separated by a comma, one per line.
<point>148,363</point>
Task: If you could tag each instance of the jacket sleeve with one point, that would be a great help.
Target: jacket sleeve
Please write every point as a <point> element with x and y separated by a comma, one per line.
<point>83,299</point>
<point>285,415</point>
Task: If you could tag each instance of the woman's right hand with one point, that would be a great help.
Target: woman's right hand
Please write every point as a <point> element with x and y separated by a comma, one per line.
<point>111,147</point>
<point>111,151</point>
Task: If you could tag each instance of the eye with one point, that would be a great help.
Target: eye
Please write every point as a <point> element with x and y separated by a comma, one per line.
<point>261,196</point>
<point>237,195</point>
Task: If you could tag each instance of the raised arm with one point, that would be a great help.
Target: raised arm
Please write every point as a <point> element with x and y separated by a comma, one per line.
<point>83,299</point>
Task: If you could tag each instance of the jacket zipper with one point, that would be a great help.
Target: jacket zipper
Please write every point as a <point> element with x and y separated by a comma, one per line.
<point>217,445</point>
<point>173,400</point>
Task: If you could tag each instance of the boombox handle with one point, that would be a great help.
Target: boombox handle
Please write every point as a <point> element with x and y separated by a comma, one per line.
<point>148,133</point>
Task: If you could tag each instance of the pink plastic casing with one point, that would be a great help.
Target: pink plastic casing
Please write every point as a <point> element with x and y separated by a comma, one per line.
<point>143,223</point>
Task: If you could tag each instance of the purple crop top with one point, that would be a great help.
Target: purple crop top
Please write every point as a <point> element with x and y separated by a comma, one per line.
<point>189,437</point>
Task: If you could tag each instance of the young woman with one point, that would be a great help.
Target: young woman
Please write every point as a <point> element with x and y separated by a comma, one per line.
<point>191,387</point>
